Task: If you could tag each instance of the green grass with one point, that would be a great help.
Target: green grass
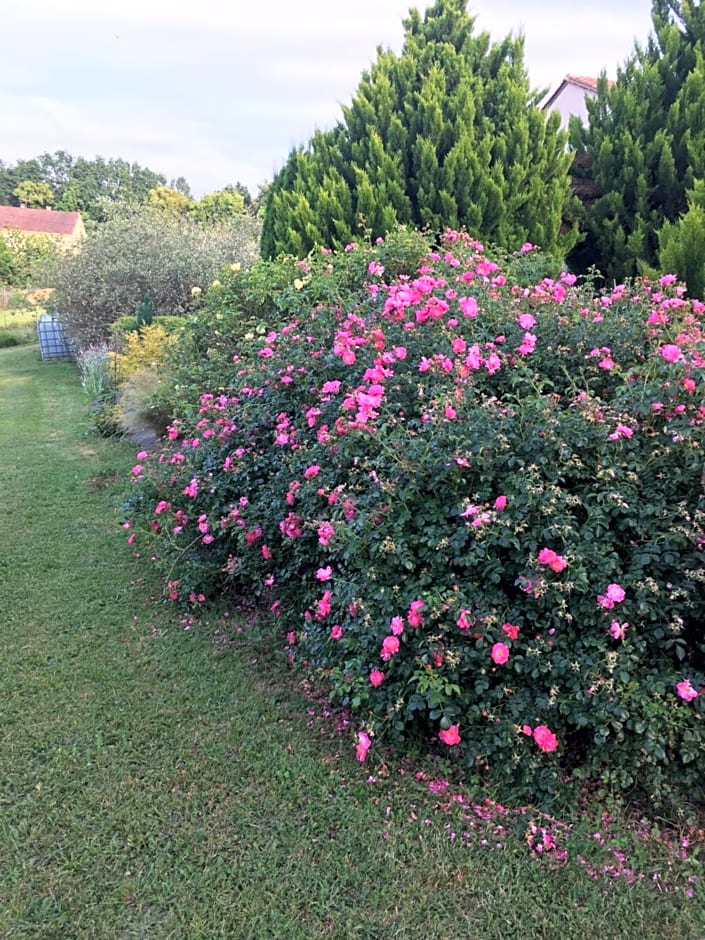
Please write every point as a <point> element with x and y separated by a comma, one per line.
<point>18,326</point>
<point>157,782</point>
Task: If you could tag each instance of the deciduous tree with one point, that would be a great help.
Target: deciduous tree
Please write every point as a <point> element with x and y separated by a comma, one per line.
<point>219,207</point>
<point>34,195</point>
<point>170,201</point>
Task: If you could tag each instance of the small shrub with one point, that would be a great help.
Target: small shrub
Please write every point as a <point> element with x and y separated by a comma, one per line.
<point>475,507</point>
<point>144,315</point>
<point>8,339</point>
<point>106,419</point>
<point>143,349</point>
<point>123,326</point>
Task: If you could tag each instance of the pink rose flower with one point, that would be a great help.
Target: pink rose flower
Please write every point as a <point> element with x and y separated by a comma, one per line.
<point>336,632</point>
<point>545,738</point>
<point>376,678</point>
<point>511,630</point>
<point>323,606</point>
<point>390,646</point>
<point>686,691</point>
<point>613,595</point>
<point>291,527</point>
<point>671,352</point>
<point>617,629</point>
<point>463,621</point>
<point>622,430</point>
<point>450,736</point>
<point>415,617</point>
<point>554,561</point>
<point>363,745</point>
<point>396,625</point>
<point>500,653</point>
<point>325,533</point>
<point>500,503</point>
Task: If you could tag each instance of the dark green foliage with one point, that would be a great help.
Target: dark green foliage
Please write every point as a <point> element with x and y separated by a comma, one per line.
<point>12,176</point>
<point>446,134</point>
<point>646,141</point>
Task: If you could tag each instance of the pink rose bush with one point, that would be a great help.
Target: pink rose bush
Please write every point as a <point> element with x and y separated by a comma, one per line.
<point>495,475</point>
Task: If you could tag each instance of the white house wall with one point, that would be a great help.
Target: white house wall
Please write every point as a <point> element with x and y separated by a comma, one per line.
<point>571,100</point>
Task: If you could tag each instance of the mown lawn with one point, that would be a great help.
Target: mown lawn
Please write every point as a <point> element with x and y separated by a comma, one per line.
<point>158,782</point>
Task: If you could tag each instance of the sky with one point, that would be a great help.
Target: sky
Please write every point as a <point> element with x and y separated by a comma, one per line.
<point>219,91</point>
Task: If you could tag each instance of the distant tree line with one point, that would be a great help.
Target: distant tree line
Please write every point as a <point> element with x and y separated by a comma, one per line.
<point>75,184</point>
<point>114,196</point>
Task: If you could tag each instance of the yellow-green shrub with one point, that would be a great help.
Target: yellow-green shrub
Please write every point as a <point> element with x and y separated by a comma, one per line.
<point>146,349</point>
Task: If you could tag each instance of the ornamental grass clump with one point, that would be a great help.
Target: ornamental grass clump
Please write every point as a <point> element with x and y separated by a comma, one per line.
<point>475,507</point>
<point>96,368</point>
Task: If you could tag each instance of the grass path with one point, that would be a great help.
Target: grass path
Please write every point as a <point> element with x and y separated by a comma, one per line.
<point>155,784</point>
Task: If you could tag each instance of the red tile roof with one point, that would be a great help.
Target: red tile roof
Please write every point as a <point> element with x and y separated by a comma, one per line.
<point>583,80</point>
<point>46,221</point>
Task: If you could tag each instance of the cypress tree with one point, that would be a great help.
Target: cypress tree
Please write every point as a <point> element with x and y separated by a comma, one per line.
<point>448,133</point>
<point>646,141</point>
<point>682,244</point>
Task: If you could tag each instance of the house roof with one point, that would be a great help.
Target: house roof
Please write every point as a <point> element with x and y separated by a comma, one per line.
<point>44,221</point>
<point>585,82</point>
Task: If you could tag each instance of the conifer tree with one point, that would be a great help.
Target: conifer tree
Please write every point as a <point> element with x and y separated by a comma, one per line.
<point>448,133</point>
<point>646,141</point>
<point>682,244</point>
